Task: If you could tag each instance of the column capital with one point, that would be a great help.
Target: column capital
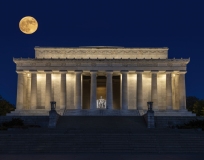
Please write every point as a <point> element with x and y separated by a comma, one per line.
<point>78,71</point>
<point>154,71</point>
<point>139,71</point>
<point>109,72</point>
<point>19,71</point>
<point>182,72</point>
<point>93,71</point>
<point>48,71</point>
<point>169,71</point>
<point>124,71</point>
<point>63,71</point>
<point>40,71</point>
<point>33,71</point>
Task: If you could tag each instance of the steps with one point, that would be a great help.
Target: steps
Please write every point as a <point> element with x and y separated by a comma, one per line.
<point>100,112</point>
<point>101,124</point>
<point>141,142</point>
<point>101,134</point>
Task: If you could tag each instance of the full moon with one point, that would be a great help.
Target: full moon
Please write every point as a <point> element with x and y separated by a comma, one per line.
<point>28,25</point>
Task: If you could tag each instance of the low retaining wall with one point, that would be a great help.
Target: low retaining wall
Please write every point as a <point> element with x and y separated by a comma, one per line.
<point>28,120</point>
<point>169,121</point>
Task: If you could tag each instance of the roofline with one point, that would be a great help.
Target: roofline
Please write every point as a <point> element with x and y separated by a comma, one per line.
<point>99,47</point>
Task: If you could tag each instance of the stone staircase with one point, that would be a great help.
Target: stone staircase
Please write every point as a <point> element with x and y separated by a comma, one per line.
<point>102,134</point>
<point>100,112</point>
<point>146,141</point>
<point>90,124</point>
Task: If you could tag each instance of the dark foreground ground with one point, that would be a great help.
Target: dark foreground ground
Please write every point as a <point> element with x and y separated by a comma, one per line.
<point>105,156</point>
<point>101,138</point>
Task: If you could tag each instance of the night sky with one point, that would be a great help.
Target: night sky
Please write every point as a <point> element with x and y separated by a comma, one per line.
<point>176,24</point>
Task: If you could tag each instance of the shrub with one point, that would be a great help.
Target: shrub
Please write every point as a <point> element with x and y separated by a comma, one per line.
<point>192,125</point>
<point>5,107</point>
<point>15,122</point>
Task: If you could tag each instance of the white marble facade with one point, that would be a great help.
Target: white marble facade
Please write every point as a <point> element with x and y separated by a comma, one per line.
<point>146,74</point>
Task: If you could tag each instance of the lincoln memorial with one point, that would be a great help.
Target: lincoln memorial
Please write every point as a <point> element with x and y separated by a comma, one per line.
<point>101,78</point>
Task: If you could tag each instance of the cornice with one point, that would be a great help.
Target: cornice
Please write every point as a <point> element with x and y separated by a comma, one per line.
<point>100,62</point>
<point>95,48</point>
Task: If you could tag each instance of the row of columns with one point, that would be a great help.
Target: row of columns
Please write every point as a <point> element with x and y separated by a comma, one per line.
<point>154,93</point>
<point>179,90</point>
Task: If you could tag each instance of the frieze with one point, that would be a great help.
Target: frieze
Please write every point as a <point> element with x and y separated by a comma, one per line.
<point>33,64</point>
<point>48,64</point>
<point>19,64</point>
<point>78,63</point>
<point>93,64</point>
<point>170,64</point>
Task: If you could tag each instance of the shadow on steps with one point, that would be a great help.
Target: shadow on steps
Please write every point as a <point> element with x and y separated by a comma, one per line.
<point>101,124</point>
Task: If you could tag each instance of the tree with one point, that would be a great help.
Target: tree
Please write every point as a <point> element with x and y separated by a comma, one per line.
<point>190,101</point>
<point>5,106</point>
<point>198,107</point>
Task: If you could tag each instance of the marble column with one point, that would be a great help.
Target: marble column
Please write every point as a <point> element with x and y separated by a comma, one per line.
<point>154,94</point>
<point>124,90</point>
<point>177,92</point>
<point>169,105</point>
<point>109,90</point>
<point>25,104</point>
<point>48,92</point>
<point>70,90</point>
<point>33,90</point>
<point>139,90</point>
<point>78,103</point>
<point>182,88</point>
<point>19,99</point>
<point>63,91</point>
<point>93,96</point>
<point>28,91</point>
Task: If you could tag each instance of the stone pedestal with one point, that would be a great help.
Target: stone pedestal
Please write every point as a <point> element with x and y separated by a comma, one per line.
<point>53,116</point>
<point>149,116</point>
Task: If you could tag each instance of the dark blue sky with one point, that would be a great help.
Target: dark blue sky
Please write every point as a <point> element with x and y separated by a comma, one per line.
<point>177,24</point>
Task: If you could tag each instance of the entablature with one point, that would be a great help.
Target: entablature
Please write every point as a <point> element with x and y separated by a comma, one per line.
<point>27,62</point>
